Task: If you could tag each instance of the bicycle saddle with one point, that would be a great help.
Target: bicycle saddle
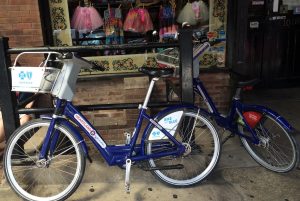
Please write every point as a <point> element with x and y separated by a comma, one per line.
<point>157,72</point>
<point>248,83</point>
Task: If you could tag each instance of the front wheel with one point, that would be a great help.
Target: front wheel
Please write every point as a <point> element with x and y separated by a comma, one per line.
<point>51,179</point>
<point>201,140</point>
<point>276,150</point>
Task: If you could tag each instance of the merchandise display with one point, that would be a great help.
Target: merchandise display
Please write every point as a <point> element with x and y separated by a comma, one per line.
<point>143,21</point>
<point>194,13</point>
<point>138,20</point>
<point>86,19</point>
<point>113,28</point>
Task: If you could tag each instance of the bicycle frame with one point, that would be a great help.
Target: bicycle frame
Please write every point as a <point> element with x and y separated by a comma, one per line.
<point>113,154</point>
<point>237,108</point>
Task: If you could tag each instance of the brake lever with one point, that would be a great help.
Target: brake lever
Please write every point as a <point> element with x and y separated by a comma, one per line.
<point>97,67</point>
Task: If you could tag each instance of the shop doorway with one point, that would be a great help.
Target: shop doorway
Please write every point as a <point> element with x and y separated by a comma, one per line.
<point>267,41</point>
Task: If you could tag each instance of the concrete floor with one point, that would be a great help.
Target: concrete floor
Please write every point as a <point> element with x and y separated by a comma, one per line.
<point>237,176</point>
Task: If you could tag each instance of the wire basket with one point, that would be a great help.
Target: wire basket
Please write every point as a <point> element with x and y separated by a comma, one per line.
<point>34,79</point>
<point>168,58</point>
<point>38,79</point>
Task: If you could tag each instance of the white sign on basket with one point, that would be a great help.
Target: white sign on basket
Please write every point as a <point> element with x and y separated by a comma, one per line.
<point>26,79</point>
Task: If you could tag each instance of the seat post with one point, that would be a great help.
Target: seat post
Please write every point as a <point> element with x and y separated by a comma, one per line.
<point>153,80</point>
<point>237,95</point>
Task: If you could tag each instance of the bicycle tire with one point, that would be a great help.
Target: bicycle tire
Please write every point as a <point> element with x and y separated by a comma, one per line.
<point>202,159</point>
<point>33,179</point>
<point>277,149</point>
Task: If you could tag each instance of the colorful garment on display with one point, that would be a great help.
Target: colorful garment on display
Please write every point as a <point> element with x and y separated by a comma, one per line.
<point>193,13</point>
<point>138,20</point>
<point>113,28</point>
<point>187,15</point>
<point>86,19</point>
<point>168,29</point>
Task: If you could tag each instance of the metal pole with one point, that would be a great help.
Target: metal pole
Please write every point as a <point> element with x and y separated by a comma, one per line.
<point>7,98</point>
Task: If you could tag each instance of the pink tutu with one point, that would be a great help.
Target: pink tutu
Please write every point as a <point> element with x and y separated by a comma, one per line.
<point>86,19</point>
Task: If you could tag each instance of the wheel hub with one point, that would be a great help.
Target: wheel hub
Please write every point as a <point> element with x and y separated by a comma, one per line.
<point>264,142</point>
<point>188,149</point>
<point>42,163</point>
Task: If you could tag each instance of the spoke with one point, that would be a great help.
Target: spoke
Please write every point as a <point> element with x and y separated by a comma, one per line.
<point>52,178</point>
<point>33,182</point>
<point>63,149</point>
<point>62,164</point>
<point>195,122</point>
<point>20,170</point>
<point>204,131</point>
<point>62,152</point>
<point>281,155</point>
<point>25,153</point>
<point>61,145</point>
<point>64,171</point>
<point>24,176</point>
<point>35,147</point>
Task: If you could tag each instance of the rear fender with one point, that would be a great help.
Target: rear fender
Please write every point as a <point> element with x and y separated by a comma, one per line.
<point>264,110</point>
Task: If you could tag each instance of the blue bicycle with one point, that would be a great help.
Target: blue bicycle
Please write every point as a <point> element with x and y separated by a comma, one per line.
<point>45,158</point>
<point>266,135</point>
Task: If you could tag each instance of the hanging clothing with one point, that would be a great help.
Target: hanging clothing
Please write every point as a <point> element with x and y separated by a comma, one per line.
<point>86,19</point>
<point>167,26</point>
<point>113,28</point>
<point>138,20</point>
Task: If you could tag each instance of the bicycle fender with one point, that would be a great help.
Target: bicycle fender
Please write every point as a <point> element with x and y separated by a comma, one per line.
<point>264,110</point>
<point>158,115</point>
<point>75,131</point>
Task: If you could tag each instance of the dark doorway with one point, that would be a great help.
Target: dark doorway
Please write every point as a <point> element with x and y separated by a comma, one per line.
<point>267,42</point>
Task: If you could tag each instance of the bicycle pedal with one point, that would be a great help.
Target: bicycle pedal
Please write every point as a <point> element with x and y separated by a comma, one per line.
<point>127,176</point>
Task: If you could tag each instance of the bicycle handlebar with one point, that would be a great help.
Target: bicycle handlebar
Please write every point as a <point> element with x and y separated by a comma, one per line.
<point>81,61</point>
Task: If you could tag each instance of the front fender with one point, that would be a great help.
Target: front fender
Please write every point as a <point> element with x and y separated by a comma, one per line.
<point>67,124</point>
<point>262,109</point>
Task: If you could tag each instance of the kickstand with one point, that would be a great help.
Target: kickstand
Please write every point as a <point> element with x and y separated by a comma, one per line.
<point>127,176</point>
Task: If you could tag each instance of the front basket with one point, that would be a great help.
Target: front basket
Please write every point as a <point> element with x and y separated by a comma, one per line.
<point>34,79</point>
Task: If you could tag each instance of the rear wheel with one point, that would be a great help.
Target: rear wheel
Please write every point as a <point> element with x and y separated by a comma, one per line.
<point>201,140</point>
<point>277,150</point>
<point>52,179</point>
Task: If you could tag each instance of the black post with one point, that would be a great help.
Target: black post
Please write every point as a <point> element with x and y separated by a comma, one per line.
<point>186,62</point>
<point>45,22</point>
<point>7,98</point>
<point>187,92</point>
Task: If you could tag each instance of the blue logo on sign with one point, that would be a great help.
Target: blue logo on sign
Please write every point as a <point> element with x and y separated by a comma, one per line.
<point>157,133</point>
<point>22,75</point>
<point>29,75</point>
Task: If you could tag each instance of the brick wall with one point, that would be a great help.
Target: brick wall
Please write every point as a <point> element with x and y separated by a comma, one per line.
<point>20,21</point>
